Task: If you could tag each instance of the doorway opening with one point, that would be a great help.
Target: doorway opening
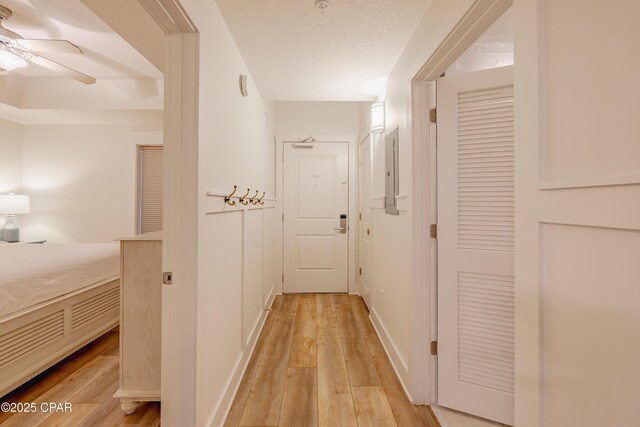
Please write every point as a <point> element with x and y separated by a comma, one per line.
<point>316,184</point>
<point>470,169</point>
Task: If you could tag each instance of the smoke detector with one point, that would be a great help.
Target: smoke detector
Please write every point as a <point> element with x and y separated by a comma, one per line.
<point>322,5</point>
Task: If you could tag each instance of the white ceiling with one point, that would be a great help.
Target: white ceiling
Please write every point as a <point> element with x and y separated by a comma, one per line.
<point>106,54</point>
<point>296,53</point>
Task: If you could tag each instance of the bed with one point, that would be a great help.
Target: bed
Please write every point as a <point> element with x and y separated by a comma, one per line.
<point>54,299</point>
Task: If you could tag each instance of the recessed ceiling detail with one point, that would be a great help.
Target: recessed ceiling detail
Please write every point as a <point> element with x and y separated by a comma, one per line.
<point>18,52</point>
<point>344,53</point>
<point>106,54</point>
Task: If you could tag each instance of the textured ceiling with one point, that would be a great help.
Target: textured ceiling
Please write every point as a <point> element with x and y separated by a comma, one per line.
<point>344,54</point>
<point>106,54</point>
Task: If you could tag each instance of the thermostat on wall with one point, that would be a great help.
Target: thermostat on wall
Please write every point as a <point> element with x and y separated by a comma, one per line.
<point>243,85</point>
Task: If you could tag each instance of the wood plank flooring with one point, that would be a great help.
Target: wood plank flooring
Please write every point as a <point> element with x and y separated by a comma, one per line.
<point>87,379</point>
<point>319,362</point>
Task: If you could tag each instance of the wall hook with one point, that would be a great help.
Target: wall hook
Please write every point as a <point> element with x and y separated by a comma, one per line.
<point>264,193</point>
<point>242,199</point>
<point>254,200</point>
<point>228,200</point>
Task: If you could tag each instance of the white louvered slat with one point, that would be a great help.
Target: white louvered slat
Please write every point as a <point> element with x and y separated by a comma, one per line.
<point>486,330</point>
<point>485,170</point>
<point>150,182</point>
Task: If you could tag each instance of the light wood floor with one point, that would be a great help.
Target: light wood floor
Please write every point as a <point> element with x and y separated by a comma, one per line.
<point>87,379</point>
<point>319,362</point>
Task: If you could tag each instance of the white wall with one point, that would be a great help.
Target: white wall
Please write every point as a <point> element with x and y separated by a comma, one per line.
<point>317,118</point>
<point>577,213</point>
<point>10,159</point>
<point>81,180</point>
<point>235,246</point>
<point>391,285</point>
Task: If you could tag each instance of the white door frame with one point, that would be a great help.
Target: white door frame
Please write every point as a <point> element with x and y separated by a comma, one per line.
<point>353,202</point>
<point>478,18</point>
<point>180,249</point>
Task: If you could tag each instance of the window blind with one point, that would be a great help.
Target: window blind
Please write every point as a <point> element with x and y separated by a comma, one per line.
<point>150,184</point>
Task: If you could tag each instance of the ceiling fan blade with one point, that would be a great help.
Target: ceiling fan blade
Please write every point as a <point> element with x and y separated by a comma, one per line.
<point>59,68</point>
<point>8,34</point>
<point>57,46</point>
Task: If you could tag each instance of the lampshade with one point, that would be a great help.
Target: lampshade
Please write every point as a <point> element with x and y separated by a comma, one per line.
<point>14,204</point>
<point>377,117</point>
<point>10,61</point>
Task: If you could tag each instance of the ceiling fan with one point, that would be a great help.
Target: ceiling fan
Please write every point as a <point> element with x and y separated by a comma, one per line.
<point>17,52</point>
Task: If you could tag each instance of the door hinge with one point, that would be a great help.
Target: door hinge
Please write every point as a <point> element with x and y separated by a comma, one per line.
<point>360,216</point>
<point>282,277</point>
<point>434,348</point>
<point>361,271</point>
<point>282,217</point>
<point>433,115</point>
<point>434,231</point>
<point>167,278</point>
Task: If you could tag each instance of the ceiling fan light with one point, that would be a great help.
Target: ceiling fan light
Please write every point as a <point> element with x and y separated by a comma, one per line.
<point>10,61</point>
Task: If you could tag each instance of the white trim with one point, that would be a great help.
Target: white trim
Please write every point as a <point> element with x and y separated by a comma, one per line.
<point>397,361</point>
<point>607,181</point>
<point>170,16</point>
<point>352,140</point>
<point>402,203</point>
<point>423,314</point>
<point>529,70</point>
<point>478,18</point>
<point>180,245</point>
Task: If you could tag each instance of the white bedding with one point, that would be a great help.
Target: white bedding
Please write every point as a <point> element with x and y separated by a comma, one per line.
<point>32,273</point>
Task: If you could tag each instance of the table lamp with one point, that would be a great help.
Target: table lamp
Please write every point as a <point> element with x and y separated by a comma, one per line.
<point>12,205</point>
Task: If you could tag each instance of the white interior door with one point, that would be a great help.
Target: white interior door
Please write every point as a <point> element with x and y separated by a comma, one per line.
<point>316,223</point>
<point>476,243</point>
<point>365,220</point>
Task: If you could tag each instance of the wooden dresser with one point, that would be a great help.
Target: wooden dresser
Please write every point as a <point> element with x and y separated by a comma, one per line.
<point>140,320</point>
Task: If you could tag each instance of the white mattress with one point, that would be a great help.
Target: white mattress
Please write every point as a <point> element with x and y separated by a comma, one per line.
<point>31,273</point>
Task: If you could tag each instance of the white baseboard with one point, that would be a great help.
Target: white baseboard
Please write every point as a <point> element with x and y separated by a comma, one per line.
<point>399,365</point>
<point>221,410</point>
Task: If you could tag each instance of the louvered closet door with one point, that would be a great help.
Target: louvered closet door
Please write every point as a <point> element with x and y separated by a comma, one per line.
<point>476,244</point>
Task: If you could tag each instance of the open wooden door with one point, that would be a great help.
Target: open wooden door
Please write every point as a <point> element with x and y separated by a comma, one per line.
<point>476,313</point>
<point>364,196</point>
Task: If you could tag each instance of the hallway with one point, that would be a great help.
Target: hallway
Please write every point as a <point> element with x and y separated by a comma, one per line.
<point>319,362</point>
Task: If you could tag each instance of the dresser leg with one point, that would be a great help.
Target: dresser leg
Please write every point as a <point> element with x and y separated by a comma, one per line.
<point>128,406</point>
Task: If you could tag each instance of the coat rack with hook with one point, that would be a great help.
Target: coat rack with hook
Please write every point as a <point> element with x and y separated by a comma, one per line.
<point>232,199</point>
